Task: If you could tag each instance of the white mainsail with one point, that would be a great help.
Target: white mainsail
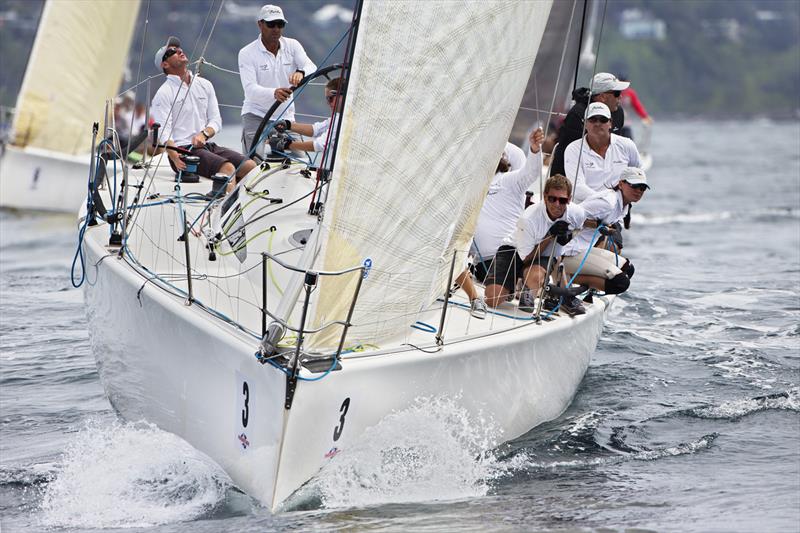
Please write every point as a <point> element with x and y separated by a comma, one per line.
<point>75,66</point>
<point>406,190</point>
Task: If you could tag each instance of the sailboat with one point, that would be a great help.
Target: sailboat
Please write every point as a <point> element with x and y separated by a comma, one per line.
<point>273,327</point>
<point>75,65</point>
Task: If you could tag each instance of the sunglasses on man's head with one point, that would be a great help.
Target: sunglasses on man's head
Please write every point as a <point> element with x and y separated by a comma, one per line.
<point>601,120</point>
<point>558,199</point>
<point>170,52</point>
<point>275,23</point>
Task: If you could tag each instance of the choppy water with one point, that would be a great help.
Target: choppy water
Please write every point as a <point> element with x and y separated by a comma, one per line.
<point>688,419</point>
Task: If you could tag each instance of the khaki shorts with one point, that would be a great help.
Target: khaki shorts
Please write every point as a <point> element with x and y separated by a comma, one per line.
<point>601,263</point>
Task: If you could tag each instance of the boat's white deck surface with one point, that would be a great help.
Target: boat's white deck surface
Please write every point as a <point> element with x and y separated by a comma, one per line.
<point>231,284</point>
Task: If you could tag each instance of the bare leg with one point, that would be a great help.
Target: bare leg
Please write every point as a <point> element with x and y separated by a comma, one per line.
<point>465,281</point>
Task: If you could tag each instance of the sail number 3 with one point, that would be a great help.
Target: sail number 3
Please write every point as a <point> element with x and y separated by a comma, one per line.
<point>337,431</point>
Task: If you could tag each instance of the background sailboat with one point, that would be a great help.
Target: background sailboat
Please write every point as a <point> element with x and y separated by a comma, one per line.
<point>75,65</point>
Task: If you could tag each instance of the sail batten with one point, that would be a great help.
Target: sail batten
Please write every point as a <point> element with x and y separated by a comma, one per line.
<point>75,65</point>
<point>432,96</point>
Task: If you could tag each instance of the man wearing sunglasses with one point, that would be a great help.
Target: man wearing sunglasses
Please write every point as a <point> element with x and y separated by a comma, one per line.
<point>599,158</point>
<point>269,67</point>
<point>542,230</point>
<point>606,88</point>
<point>187,109</point>
<point>604,269</point>
<point>318,131</point>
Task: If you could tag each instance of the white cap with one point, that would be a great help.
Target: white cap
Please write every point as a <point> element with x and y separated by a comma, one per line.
<point>269,13</point>
<point>604,82</point>
<point>596,109</point>
<point>634,176</point>
<point>172,41</point>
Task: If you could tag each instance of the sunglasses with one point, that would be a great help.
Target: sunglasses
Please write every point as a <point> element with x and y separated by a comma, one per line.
<point>331,97</point>
<point>274,23</point>
<point>558,199</point>
<point>601,120</point>
<point>639,187</point>
<point>615,93</point>
<point>170,52</point>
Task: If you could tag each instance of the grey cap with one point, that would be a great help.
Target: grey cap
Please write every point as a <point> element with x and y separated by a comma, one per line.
<point>172,41</point>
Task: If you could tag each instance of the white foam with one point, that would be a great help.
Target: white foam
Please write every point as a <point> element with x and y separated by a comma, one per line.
<point>432,450</point>
<point>739,408</point>
<point>130,475</point>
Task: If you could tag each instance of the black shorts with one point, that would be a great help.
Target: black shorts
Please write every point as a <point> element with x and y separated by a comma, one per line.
<point>212,157</point>
<point>481,269</point>
<point>506,268</point>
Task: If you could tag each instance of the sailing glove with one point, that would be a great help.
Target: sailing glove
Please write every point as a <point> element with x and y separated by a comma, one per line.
<point>283,125</point>
<point>280,142</point>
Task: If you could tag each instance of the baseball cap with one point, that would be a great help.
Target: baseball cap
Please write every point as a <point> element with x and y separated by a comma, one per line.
<point>598,109</point>
<point>172,41</point>
<point>604,82</point>
<point>269,13</point>
<point>634,176</point>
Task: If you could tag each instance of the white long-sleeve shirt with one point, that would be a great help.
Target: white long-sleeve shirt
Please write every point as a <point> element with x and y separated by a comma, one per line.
<point>262,72</point>
<point>605,206</point>
<point>505,202</point>
<point>595,172</point>
<point>183,110</point>
<point>535,222</point>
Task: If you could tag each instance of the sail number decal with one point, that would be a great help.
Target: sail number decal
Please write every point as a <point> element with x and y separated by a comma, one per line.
<point>246,410</point>
<point>337,431</point>
<point>244,407</point>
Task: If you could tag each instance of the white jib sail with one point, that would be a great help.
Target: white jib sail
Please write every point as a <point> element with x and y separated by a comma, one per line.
<point>431,99</point>
<point>76,64</point>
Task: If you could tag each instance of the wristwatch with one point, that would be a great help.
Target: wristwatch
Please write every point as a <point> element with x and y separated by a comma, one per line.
<point>203,131</point>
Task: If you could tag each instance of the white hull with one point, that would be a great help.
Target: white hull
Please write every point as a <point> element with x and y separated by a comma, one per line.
<point>41,180</point>
<point>192,384</point>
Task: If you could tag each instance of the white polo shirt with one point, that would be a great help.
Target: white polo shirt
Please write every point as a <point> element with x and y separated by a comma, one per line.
<point>596,172</point>
<point>504,203</point>
<point>262,72</point>
<point>533,225</point>
<point>183,110</point>
<point>605,206</point>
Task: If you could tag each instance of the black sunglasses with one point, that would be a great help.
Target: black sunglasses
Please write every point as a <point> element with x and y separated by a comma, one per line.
<point>331,97</point>
<point>170,52</point>
<point>616,93</point>
<point>274,23</point>
<point>558,199</point>
<point>601,120</point>
<point>639,187</point>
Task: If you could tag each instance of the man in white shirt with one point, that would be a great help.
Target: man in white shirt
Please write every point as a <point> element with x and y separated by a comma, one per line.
<point>187,109</point>
<point>603,269</point>
<point>505,201</point>
<point>541,231</point>
<point>318,131</point>
<point>268,68</point>
<point>599,157</point>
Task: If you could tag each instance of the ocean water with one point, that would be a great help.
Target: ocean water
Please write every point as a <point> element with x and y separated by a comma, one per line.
<point>687,420</point>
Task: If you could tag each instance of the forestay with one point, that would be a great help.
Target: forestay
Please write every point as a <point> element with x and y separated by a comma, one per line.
<point>75,65</point>
<point>431,98</point>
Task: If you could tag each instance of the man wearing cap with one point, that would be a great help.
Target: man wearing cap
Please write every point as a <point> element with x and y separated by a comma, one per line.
<point>597,160</point>
<point>603,269</point>
<point>606,88</point>
<point>186,107</point>
<point>268,68</point>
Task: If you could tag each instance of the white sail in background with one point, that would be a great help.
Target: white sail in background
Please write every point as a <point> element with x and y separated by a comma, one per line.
<point>407,187</point>
<point>75,65</point>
